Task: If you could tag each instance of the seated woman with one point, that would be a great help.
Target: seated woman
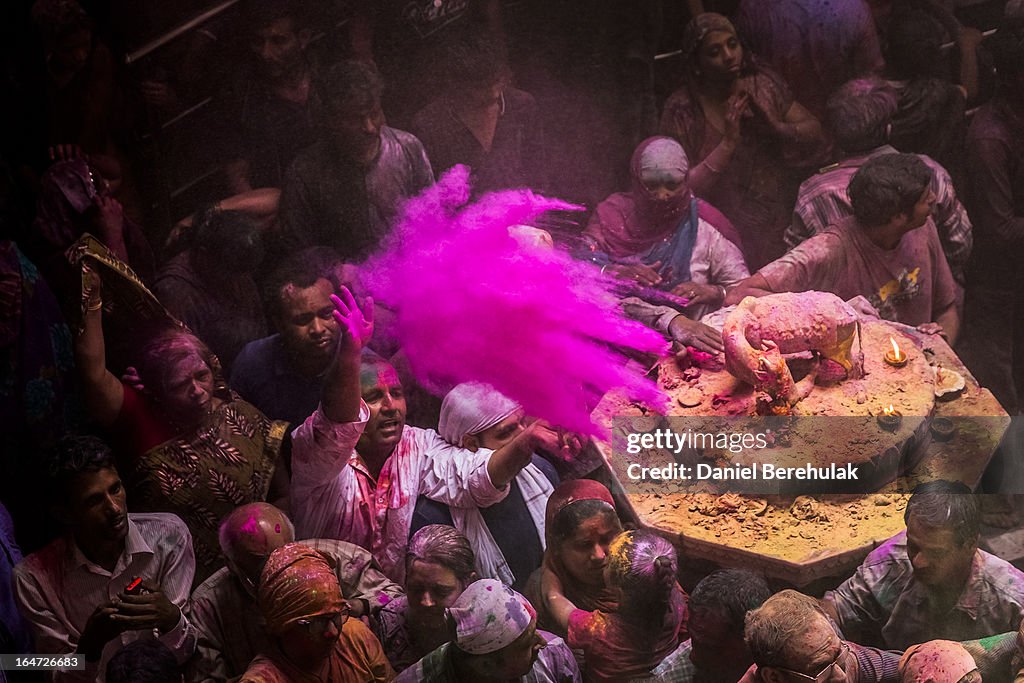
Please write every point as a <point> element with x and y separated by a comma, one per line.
<point>308,621</point>
<point>659,235</point>
<point>439,564</point>
<point>746,135</point>
<point>649,622</point>
<point>579,525</point>
<point>186,444</point>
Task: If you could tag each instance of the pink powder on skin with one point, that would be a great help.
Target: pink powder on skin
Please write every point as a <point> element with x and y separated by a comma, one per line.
<point>472,305</point>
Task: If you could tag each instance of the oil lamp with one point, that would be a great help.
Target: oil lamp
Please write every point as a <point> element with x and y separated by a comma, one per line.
<point>890,419</point>
<point>895,356</point>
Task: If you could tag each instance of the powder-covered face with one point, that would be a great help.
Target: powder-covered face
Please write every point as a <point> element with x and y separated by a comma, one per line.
<point>382,392</point>
<point>922,210</point>
<point>355,130</point>
<point>585,553</point>
<point>715,646</point>
<point>430,588</point>
<point>938,560</point>
<point>516,659</point>
<point>188,389</point>
<point>663,184</point>
<point>496,436</point>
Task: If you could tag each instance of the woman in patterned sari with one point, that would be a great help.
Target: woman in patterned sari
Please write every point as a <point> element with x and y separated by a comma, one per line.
<point>186,444</point>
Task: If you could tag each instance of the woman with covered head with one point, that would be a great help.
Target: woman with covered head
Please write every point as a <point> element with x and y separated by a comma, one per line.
<point>494,637</point>
<point>649,621</point>
<point>658,235</point>
<point>744,133</point>
<point>186,444</point>
<point>308,621</point>
<point>579,524</point>
<point>508,537</point>
<point>439,565</point>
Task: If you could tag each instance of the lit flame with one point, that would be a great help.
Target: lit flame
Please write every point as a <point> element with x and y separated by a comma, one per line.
<point>890,410</point>
<point>896,353</point>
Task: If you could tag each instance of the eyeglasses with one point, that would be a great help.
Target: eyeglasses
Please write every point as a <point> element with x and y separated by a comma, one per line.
<point>318,625</point>
<point>825,673</point>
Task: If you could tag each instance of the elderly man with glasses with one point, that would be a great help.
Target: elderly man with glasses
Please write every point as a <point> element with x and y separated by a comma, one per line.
<point>312,636</point>
<point>225,611</point>
<point>792,641</point>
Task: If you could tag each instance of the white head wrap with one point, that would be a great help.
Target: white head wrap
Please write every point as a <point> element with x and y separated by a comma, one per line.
<point>663,156</point>
<point>470,408</point>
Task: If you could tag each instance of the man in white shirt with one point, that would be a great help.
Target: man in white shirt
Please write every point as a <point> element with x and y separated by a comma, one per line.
<point>357,469</point>
<point>75,592</point>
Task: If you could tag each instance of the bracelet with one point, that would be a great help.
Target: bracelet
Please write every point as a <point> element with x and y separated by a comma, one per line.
<point>711,168</point>
<point>723,291</point>
<point>603,267</point>
<point>96,306</point>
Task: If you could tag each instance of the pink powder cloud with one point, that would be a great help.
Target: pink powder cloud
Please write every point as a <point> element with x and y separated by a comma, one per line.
<point>472,305</point>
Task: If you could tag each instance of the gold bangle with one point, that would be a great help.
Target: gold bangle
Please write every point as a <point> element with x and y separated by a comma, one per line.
<point>96,306</point>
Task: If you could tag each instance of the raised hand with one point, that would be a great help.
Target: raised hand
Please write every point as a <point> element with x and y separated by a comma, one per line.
<point>92,287</point>
<point>355,325</point>
<point>736,108</point>
<point>65,152</point>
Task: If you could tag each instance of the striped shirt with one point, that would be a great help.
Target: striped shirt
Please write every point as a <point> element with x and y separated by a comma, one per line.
<point>824,201</point>
<point>58,589</point>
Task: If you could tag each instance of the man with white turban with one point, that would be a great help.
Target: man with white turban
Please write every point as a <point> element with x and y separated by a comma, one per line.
<point>508,537</point>
<point>495,637</point>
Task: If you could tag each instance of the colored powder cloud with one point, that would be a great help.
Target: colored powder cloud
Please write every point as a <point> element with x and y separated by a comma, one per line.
<point>472,305</point>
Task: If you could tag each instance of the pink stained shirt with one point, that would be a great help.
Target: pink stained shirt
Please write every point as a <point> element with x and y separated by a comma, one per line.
<point>614,650</point>
<point>911,283</point>
<point>333,494</point>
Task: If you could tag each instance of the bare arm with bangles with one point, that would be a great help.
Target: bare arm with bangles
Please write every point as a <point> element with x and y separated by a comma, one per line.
<point>104,393</point>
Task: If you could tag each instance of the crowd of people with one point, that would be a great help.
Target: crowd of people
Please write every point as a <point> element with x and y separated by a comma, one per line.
<point>218,466</point>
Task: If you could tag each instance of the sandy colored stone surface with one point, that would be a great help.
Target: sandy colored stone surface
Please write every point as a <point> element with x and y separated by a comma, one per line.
<point>834,424</point>
<point>832,534</point>
<point>791,529</point>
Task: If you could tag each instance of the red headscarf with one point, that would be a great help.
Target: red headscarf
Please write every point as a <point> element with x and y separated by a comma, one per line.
<point>567,493</point>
